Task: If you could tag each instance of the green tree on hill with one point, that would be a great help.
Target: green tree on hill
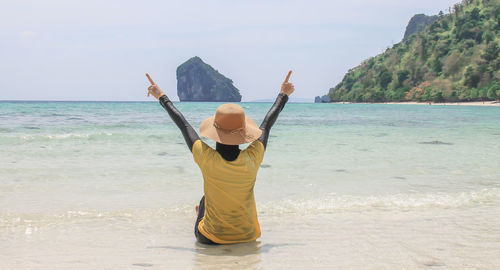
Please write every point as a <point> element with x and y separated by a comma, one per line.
<point>455,58</point>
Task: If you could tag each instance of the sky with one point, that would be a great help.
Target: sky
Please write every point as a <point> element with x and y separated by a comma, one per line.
<point>100,50</point>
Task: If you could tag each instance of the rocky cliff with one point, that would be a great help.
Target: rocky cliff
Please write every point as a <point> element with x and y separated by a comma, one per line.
<point>418,23</point>
<point>322,99</point>
<point>198,81</point>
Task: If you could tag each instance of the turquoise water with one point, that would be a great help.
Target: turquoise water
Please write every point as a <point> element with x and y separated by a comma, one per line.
<point>79,165</point>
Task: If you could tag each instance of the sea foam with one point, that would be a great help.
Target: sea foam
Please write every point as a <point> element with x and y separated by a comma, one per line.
<point>330,203</point>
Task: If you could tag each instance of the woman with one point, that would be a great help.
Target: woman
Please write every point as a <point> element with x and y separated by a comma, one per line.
<point>227,212</point>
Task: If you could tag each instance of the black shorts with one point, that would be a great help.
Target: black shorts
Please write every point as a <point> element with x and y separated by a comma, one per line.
<point>199,236</point>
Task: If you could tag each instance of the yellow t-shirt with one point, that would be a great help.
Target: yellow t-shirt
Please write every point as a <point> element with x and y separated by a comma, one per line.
<point>230,212</point>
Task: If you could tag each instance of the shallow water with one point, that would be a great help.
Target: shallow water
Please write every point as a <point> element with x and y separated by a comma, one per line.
<point>93,184</point>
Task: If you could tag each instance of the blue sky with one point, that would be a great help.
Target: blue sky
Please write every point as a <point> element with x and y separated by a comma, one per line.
<point>100,50</point>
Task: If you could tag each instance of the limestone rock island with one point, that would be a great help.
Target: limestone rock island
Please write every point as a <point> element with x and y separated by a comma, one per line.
<point>198,81</point>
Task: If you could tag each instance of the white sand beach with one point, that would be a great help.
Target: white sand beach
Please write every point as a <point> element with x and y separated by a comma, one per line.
<point>472,103</point>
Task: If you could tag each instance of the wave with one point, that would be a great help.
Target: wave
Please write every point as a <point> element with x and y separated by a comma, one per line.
<point>394,202</point>
<point>330,203</point>
<point>39,220</point>
<point>30,137</point>
<point>73,135</point>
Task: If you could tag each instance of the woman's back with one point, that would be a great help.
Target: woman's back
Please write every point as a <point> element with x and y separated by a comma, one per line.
<point>230,212</point>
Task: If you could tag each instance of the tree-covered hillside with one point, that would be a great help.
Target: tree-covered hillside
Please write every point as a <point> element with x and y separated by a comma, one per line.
<point>456,58</point>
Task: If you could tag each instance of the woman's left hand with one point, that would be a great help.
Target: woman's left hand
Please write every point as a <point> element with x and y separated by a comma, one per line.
<point>287,88</point>
<point>154,89</point>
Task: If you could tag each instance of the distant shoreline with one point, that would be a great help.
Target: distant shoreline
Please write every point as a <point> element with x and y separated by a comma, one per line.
<point>472,103</point>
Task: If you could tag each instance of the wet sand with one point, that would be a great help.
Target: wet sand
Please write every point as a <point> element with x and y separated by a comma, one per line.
<point>440,238</point>
<point>473,103</point>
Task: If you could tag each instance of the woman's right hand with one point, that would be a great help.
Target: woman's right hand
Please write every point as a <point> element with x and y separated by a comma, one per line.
<point>287,88</point>
<point>154,89</point>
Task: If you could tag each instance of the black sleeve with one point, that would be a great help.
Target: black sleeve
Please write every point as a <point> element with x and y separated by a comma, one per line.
<point>271,117</point>
<point>187,130</point>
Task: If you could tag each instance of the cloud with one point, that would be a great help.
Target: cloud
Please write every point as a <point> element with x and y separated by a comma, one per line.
<point>28,34</point>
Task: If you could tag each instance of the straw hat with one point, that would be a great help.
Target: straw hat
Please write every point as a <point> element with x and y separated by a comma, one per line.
<point>230,126</point>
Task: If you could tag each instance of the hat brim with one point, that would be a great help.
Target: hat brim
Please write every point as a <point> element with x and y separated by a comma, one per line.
<point>249,134</point>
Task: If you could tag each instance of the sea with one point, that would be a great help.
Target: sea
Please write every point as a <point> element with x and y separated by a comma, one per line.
<point>112,185</point>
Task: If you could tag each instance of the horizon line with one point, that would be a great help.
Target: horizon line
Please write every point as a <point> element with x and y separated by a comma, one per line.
<point>54,100</point>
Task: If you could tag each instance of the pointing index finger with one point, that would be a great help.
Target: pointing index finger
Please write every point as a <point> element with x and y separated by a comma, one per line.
<point>288,76</point>
<point>150,80</point>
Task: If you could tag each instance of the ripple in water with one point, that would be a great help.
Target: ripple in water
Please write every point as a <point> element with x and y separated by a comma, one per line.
<point>436,143</point>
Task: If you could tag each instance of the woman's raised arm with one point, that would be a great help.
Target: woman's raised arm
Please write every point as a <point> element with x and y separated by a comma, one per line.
<point>190,135</point>
<point>286,90</point>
